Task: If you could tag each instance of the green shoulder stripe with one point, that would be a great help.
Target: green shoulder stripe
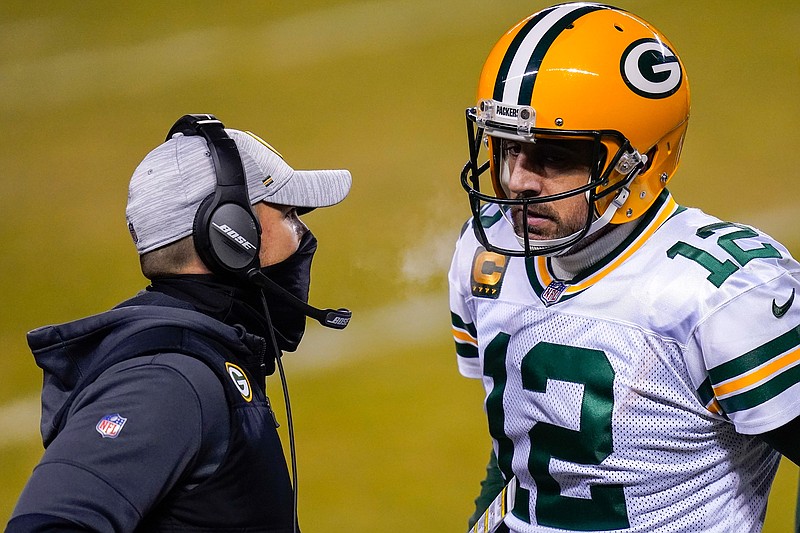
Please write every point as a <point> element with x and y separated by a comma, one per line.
<point>762,393</point>
<point>755,358</point>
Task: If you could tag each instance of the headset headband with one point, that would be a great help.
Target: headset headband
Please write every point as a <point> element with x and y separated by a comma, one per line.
<point>227,234</point>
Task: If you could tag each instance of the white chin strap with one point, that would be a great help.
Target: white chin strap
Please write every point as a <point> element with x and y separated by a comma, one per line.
<point>543,244</point>
<point>628,163</point>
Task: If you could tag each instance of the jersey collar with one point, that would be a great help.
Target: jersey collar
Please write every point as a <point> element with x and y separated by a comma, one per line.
<point>552,290</point>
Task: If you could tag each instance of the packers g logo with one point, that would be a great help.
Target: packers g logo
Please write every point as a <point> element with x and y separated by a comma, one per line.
<point>651,69</point>
<point>488,269</point>
<point>240,380</point>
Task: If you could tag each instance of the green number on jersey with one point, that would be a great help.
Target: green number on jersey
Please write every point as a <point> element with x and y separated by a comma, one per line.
<point>719,271</point>
<point>590,445</point>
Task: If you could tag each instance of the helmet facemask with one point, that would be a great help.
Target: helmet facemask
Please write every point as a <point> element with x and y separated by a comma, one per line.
<point>491,199</point>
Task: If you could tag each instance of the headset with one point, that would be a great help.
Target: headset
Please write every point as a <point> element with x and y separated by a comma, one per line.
<point>226,231</point>
<point>227,236</point>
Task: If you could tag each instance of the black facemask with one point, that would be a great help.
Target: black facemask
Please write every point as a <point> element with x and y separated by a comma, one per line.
<point>294,275</point>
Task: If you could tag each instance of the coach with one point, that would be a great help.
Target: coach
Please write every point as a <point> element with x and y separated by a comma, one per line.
<point>154,413</point>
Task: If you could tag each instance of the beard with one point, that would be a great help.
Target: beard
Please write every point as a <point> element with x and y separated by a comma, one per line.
<point>544,221</point>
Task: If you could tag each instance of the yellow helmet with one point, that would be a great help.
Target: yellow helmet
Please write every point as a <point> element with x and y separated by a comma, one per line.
<point>588,71</point>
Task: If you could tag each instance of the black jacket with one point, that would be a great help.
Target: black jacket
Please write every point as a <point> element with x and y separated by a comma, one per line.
<point>154,417</point>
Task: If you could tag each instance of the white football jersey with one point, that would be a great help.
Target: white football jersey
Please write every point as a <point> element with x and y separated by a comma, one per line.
<point>627,399</point>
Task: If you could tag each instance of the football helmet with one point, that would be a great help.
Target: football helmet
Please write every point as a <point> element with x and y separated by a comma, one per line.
<point>577,71</point>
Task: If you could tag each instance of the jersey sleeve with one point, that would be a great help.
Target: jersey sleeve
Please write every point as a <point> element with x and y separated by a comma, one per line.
<point>750,346</point>
<point>130,437</point>
<point>461,313</point>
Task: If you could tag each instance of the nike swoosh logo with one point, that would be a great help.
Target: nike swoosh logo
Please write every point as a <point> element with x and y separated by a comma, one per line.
<point>780,310</point>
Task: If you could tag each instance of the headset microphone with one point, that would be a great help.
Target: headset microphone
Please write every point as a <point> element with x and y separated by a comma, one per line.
<point>331,318</point>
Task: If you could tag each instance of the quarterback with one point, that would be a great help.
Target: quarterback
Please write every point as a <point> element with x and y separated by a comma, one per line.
<point>640,358</point>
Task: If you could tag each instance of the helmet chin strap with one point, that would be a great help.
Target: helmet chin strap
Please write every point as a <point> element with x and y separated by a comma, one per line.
<point>598,224</point>
<point>639,162</point>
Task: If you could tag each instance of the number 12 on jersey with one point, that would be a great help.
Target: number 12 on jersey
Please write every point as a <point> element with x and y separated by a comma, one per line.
<point>590,445</point>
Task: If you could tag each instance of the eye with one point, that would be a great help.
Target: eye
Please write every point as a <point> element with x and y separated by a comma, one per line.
<point>574,156</point>
<point>557,158</point>
<point>511,148</point>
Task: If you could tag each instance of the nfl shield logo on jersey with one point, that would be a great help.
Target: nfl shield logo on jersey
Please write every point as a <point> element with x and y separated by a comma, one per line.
<point>553,292</point>
<point>110,426</point>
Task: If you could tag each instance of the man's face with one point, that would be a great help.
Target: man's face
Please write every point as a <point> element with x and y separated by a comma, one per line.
<point>281,231</point>
<point>543,168</point>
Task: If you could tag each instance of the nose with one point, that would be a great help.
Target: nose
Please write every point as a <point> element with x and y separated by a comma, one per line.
<point>525,177</point>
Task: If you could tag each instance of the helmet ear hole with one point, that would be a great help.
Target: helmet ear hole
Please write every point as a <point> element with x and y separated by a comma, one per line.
<point>651,156</point>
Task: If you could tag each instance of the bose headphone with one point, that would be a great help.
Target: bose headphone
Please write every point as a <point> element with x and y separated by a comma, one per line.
<point>226,231</point>
<point>227,234</point>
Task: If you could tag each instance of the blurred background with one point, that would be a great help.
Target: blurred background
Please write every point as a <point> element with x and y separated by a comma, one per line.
<point>389,436</point>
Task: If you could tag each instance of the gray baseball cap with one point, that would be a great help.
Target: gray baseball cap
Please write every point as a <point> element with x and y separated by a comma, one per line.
<point>171,181</point>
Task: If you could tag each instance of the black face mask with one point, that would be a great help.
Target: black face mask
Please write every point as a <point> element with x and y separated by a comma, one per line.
<point>294,275</point>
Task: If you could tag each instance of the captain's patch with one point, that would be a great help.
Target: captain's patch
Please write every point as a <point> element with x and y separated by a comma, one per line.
<point>488,270</point>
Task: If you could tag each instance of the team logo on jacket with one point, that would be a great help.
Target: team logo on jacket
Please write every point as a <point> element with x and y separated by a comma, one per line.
<point>110,426</point>
<point>240,381</point>
<point>488,270</point>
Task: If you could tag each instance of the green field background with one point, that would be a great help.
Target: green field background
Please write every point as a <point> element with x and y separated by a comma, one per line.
<point>389,437</point>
